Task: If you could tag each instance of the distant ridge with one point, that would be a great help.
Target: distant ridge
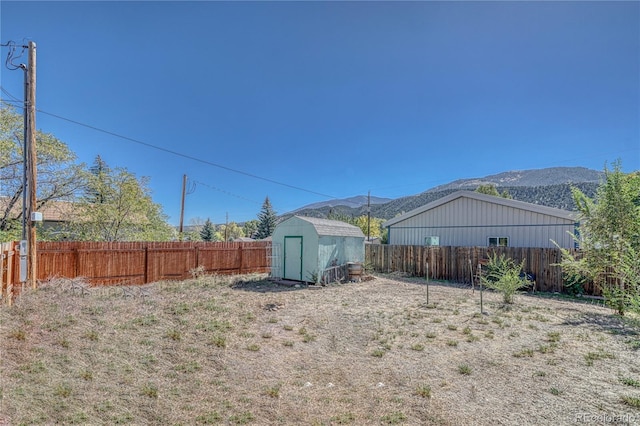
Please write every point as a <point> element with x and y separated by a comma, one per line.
<point>535,177</point>
<point>352,202</point>
<point>548,187</point>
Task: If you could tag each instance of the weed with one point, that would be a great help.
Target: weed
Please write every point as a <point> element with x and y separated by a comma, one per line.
<point>464,369</point>
<point>544,349</point>
<point>590,357</point>
<point>242,418</point>
<point>489,334</point>
<point>524,353</point>
<point>393,418</point>
<point>64,390</point>
<point>272,320</point>
<point>86,375</point>
<point>308,338</point>
<point>555,391</point>
<point>437,320</point>
<point>150,390</point>
<point>18,334</point>
<point>631,401</point>
<point>267,335</point>
<point>417,347</point>
<point>92,335</point>
<point>343,419</point>
<point>287,327</point>
<point>248,317</point>
<point>214,325</point>
<point>180,308</point>
<point>173,335</point>
<point>466,330</point>
<point>503,275</point>
<point>424,391</point>
<point>64,343</point>
<point>378,353</point>
<point>553,336</point>
<point>452,327</point>
<point>430,335</point>
<point>273,391</point>
<point>287,343</point>
<point>188,367</point>
<point>145,321</point>
<point>630,382</point>
<point>472,338</point>
<point>453,343</point>
<point>218,341</point>
<point>253,347</point>
<point>209,418</point>
<point>540,373</point>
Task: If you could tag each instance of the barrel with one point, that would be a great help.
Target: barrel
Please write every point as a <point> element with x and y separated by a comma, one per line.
<point>355,271</point>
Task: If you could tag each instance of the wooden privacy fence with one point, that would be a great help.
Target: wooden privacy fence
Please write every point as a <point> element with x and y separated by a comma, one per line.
<point>134,263</point>
<point>460,263</point>
<point>8,258</point>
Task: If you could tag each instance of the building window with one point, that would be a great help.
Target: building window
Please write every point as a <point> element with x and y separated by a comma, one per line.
<point>432,241</point>
<point>498,241</point>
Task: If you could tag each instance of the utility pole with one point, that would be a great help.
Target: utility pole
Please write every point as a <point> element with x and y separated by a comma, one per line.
<point>31,165</point>
<point>184,189</point>
<point>226,227</point>
<point>369,216</point>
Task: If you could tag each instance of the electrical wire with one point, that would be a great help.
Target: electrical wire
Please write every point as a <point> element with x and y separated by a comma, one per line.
<point>224,191</point>
<point>189,157</point>
<point>9,62</point>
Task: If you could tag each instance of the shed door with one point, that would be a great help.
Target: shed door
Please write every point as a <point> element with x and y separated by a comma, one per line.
<point>293,258</point>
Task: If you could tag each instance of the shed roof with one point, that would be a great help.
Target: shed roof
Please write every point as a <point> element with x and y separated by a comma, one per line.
<point>550,211</point>
<point>333,227</point>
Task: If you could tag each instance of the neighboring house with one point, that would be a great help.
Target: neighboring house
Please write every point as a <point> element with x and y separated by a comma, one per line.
<point>467,218</point>
<point>54,213</point>
<point>304,247</point>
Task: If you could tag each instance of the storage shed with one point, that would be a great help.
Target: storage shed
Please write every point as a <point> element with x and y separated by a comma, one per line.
<point>307,246</point>
<point>467,218</point>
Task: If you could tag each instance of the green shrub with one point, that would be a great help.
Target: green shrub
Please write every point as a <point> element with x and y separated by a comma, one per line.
<point>503,275</point>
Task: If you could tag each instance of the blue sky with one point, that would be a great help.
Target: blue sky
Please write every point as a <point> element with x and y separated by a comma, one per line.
<point>331,99</point>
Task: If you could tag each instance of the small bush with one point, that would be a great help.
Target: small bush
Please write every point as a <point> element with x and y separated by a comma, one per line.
<point>503,275</point>
<point>424,391</point>
<point>464,369</point>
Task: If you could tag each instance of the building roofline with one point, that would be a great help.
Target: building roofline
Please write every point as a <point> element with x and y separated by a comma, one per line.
<point>522,205</point>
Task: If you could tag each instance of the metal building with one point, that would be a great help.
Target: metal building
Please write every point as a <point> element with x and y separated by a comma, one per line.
<point>309,246</point>
<point>467,218</point>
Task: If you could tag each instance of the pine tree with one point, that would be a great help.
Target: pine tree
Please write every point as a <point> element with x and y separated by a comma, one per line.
<point>207,232</point>
<point>266,220</point>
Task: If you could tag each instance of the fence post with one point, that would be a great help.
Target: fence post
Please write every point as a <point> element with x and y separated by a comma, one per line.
<point>240,256</point>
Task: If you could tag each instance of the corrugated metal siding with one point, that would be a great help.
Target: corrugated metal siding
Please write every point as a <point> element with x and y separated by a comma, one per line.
<point>469,222</point>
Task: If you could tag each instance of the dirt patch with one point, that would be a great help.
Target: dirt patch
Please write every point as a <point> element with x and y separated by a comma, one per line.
<point>245,350</point>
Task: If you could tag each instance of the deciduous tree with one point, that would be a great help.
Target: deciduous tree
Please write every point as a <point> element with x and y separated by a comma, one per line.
<point>610,239</point>
<point>59,178</point>
<point>117,206</point>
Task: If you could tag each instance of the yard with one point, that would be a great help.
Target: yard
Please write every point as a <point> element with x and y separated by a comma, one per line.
<point>242,350</point>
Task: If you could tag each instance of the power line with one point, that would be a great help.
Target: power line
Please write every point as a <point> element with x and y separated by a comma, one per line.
<point>189,157</point>
<point>223,191</point>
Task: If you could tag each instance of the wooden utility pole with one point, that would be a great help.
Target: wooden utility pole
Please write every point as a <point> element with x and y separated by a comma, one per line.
<point>369,216</point>
<point>226,227</point>
<point>31,165</point>
<point>184,189</point>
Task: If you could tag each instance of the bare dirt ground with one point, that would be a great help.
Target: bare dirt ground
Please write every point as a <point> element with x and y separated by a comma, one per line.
<point>243,350</point>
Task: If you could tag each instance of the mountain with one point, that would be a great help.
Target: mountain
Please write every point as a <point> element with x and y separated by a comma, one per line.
<point>536,177</point>
<point>352,202</point>
<point>548,187</point>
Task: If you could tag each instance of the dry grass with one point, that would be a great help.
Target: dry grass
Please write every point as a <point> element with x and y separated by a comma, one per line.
<point>221,351</point>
